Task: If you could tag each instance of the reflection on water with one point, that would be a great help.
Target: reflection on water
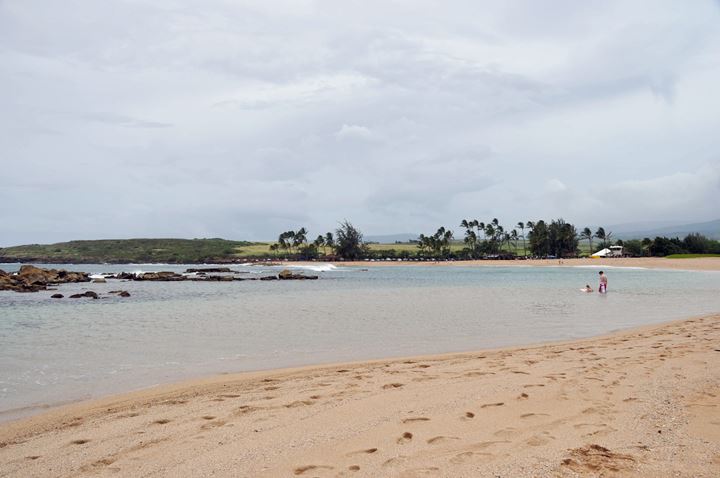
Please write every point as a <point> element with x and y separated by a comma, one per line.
<point>55,350</point>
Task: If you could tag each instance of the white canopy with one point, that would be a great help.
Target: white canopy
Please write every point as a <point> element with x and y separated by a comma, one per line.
<point>602,253</point>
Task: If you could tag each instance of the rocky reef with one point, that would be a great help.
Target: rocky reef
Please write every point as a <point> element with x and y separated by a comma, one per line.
<point>32,279</point>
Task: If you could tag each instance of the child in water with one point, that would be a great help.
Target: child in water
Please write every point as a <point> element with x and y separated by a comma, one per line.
<point>603,283</point>
<point>587,288</point>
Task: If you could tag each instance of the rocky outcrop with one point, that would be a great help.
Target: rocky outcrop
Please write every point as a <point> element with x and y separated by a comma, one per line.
<point>164,276</point>
<point>287,274</point>
<point>57,296</point>
<point>32,279</point>
<point>120,293</point>
<point>91,294</point>
<point>210,270</point>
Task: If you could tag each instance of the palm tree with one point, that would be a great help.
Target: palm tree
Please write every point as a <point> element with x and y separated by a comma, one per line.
<point>470,236</point>
<point>329,240</point>
<point>514,237</point>
<point>319,242</point>
<point>587,234</point>
<point>447,237</point>
<point>521,225</point>
<point>600,234</point>
<point>490,235</point>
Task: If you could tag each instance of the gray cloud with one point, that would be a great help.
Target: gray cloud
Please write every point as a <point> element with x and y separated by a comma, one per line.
<point>242,119</point>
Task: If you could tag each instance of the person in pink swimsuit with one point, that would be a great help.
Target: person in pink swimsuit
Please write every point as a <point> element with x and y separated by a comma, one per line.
<point>603,283</point>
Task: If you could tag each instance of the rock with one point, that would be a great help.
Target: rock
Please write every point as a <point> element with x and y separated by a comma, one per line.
<point>124,294</point>
<point>88,293</point>
<point>210,269</point>
<point>57,296</point>
<point>125,276</point>
<point>286,274</point>
<point>32,279</point>
<point>163,276</point>
<point>99,280</point>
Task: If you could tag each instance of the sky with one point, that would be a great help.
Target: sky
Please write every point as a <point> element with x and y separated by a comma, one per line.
<point>243,119</point>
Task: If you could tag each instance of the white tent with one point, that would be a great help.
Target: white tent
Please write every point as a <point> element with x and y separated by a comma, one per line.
<point>602,253</point>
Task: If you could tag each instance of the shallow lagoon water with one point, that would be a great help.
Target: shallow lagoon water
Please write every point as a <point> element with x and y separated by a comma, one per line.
<point>53,351</point>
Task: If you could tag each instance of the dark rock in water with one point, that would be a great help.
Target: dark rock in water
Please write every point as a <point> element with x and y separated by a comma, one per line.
<point>32,279</point>
<point>210,269</point>
<point>120,293</point>
<point>89,293</point>
<point>266,278</point>
<point>207,278</point>
<point>57,296</point>
<point>125,275</point>
<point>164,276</point>
<point>286,274</point>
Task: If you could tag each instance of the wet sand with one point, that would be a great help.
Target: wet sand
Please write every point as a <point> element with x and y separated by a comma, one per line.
<point>699,264</point>
<point>644,402</point>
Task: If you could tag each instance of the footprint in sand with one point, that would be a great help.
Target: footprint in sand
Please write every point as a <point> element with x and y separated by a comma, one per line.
<point>81,441</point>
<point>368,451</point>
<point>162,421</point>
<point>506,432</point>
<point>354,468</point>
<point>302,469</point>
<point>534,415</point>
<point>392,385</point>
<point>415,419</point>
<point>469,415</point>
<point>405,438</point>
<point>498,404</point>
<point>440,439</point>
<point>464,457</point>
<point>540,440</point>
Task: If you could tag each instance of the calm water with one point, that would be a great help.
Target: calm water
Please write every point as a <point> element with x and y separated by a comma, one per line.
<point>53,351</point>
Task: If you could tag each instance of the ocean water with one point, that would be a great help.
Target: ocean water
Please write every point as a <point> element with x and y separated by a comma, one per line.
<point>55,351</point>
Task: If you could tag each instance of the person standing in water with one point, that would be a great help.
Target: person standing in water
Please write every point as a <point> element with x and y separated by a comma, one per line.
<point>603,283</point>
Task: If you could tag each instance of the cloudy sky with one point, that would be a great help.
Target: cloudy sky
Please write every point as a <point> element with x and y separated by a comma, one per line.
<point>241,119</point>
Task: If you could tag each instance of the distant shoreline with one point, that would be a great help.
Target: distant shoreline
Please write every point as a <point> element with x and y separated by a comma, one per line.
<point>697,264</point>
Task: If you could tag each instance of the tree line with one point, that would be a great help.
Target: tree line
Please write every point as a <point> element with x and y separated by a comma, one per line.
<point>485,240</point>
<point>490,239</point>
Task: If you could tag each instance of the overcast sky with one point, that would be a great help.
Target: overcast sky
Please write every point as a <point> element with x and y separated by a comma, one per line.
<point>241,119</point>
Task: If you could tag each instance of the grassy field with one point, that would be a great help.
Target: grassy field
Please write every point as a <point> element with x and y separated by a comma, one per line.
<point>182,251</point>
<point>263,248</point>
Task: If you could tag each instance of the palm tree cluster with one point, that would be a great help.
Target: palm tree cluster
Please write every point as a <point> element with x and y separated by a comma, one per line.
<point>605,237</point>
<point>347,243</point>
<point>481,238</point>
<point>291,241</point>
<point>324,241</point>
<point>436,244</point>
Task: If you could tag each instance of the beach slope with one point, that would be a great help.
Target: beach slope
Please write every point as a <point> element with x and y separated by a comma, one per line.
<point>639,403</point>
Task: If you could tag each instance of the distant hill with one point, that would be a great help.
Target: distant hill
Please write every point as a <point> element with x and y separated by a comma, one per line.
<point>710,229</point>
<point>126,251</point>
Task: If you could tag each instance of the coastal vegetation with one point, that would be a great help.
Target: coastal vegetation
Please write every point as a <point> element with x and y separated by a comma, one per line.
<point>126,251</point>
<point>480,240</point>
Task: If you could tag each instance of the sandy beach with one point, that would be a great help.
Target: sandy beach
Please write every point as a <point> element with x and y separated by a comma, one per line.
<point>694,264</point>
<point>644,402</point>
